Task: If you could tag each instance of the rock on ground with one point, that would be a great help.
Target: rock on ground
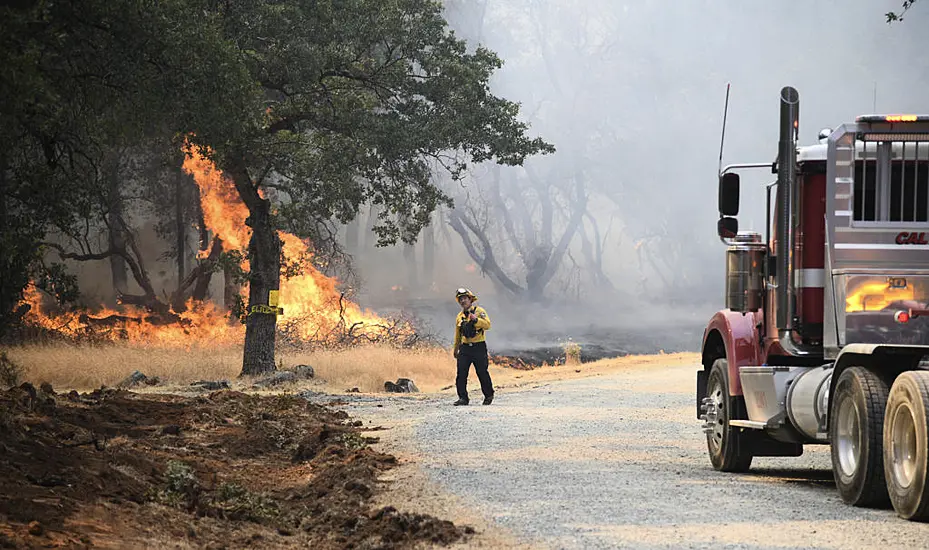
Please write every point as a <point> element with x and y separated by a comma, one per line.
<point>300,372</point>
<point>137,378</point>
<point>304,371</point>
<point>402,385</point>
<point>211,385</point>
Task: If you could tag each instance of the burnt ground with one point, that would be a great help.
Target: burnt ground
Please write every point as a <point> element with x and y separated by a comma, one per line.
<point>547,347</point>
<point>535,334</point>
<point>596,344</point>
<point>225,470</point>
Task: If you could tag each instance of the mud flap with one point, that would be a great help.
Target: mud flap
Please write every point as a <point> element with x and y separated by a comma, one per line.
<point>763,445</point>
<point>702,378</point>
<point>757,442</point>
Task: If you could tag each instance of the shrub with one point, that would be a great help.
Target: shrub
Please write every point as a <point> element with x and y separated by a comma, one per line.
<point>572,353</point>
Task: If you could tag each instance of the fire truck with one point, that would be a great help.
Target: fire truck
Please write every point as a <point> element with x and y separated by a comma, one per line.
<point>825,334</point>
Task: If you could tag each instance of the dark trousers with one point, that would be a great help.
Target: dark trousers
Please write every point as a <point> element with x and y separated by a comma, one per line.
<point>473,354</point>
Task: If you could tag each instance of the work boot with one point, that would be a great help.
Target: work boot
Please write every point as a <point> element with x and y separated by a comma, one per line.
<point>489,399</point>
<point>460,402</point>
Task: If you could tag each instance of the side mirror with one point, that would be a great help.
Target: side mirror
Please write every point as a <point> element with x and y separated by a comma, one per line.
<point>729,194</point>
<point>727,228</point>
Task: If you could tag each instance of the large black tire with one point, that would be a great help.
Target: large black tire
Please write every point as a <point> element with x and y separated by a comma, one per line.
<point>906,458</point>
<point>727,446</point>
<point>856,422</point>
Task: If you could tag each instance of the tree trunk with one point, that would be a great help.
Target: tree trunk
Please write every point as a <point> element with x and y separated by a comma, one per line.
<point>264,255</point>
<point>593,253</point>
<point>409,256</point>
<point>351,236</point>
<point>230,290</point>
<point>179,224</point>
<point>537,263</point>
<point>370,238</point>
<point>7,293</point>
<point>117,240</point>
<point>204,272</point>
<point>201,224</point>
<point>429,254</point>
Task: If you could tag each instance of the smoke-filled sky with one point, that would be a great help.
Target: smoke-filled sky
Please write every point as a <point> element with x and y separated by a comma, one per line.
<point>655,73</point>
<point>632,92</point>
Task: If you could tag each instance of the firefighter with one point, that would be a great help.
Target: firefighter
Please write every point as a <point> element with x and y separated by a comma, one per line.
<point>471,347</point>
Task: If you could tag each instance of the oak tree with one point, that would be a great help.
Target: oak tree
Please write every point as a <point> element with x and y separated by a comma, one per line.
<point>358,98</point>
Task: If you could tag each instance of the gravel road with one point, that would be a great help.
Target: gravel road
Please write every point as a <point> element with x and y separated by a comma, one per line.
<point>619,461</point>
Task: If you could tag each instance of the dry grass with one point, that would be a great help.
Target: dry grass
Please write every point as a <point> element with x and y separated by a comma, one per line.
<point>89,367</point>
<point>367,368</point>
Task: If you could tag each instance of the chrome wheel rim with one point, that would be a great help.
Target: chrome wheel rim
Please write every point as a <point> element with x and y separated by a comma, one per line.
<point>903,446</point>
<point>715,437</point>
<point>849,436</point>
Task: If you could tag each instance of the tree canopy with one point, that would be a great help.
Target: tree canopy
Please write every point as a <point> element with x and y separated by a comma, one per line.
<point>311,107</point>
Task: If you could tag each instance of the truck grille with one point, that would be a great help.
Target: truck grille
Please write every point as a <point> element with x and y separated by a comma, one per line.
<point>892,182</point>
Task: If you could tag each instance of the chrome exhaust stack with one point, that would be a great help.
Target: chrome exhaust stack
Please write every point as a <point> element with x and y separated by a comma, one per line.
<point>788,210</point>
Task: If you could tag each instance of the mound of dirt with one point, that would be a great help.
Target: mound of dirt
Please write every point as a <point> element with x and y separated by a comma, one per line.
<point>227,470</point>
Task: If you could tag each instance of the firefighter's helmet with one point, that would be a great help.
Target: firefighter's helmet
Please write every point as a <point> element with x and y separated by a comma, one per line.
<point>464,292</point>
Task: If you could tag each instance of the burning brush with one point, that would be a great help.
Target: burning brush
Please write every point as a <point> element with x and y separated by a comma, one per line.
<point>316,311</point>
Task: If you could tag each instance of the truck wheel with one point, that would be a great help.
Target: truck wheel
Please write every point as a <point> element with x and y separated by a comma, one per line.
<point>905,455</point>
<point>724,442</point>
<point>856,423</point>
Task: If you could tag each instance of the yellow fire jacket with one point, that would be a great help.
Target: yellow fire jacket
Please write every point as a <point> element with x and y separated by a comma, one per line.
<point>482,324</point>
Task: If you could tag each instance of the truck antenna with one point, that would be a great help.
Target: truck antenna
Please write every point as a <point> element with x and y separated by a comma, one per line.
<point>722,140</point>
<point>874,110</point>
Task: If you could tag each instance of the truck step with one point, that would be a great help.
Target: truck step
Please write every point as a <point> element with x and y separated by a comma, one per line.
<point>748,424</point>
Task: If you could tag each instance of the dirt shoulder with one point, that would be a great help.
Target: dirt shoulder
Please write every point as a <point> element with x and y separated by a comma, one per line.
<point>116,469</point>
<point>512,378</point>
<point>413,491</point>
<point>440,377</point>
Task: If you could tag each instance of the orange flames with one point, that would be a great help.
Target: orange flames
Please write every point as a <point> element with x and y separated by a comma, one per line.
<point>201,323</point>
<point>875,296</point>
<point>312,304</point>
<point>223,210</point>
<point>311,300</point>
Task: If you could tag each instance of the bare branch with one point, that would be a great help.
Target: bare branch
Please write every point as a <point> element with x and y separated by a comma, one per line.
<point>197,275</point>
<point>136,264</point>
<point>487,262</point>
<point>505,212</point>
<point>580,208</point>
<point>542,190</point>
<point>82,257</point>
